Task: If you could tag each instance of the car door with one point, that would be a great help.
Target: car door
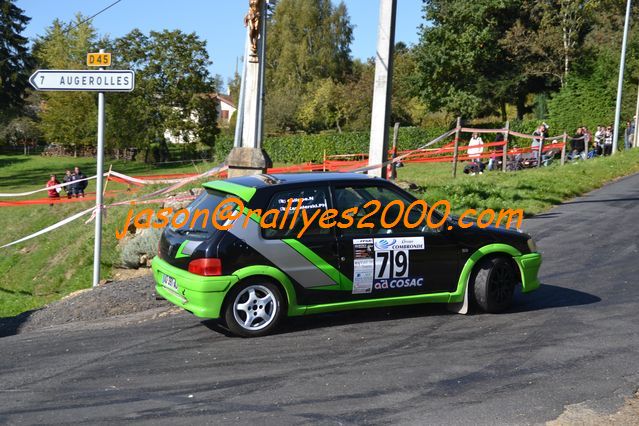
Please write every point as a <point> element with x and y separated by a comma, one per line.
<point>396,261</point>
<point>310,259</point>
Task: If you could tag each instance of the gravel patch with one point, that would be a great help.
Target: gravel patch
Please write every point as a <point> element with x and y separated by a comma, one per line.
<point>109,300</point>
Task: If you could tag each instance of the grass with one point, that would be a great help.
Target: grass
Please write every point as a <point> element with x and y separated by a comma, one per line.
<point>533,190</point>
<point>52,265</point>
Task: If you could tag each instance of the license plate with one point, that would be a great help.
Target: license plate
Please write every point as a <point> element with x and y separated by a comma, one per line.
<point>169,282</point>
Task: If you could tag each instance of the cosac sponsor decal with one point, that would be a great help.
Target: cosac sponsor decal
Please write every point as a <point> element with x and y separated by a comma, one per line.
<point>398,283</point>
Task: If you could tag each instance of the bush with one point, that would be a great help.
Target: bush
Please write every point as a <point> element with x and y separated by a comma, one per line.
<point>293,149</point>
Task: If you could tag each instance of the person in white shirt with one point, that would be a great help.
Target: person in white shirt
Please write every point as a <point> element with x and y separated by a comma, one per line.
<point>476,147</point>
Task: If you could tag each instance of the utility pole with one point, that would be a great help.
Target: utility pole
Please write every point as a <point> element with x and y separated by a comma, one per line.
<point>380,120</point>
<point>635,142</point>
<point>622,64</point>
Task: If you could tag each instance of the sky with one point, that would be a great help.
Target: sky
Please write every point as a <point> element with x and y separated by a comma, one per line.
<point>219,22</point>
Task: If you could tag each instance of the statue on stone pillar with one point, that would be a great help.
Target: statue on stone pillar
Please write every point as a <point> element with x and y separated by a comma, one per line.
<point>252,21</point>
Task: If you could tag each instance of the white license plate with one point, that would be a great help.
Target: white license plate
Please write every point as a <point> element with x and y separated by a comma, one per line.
<point>169,282</point>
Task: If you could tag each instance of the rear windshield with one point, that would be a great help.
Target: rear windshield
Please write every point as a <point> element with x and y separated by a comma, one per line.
<point>200,216</point>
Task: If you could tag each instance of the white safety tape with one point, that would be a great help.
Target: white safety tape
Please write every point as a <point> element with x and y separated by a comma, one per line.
<point>48,188</point>
<point>52,227</point>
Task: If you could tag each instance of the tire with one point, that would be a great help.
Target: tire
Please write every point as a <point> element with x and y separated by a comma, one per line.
<point>493,284</point>
<point>253,308</point>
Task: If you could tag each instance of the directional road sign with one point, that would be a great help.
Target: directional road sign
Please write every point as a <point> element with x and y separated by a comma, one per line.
<point>84,80</point>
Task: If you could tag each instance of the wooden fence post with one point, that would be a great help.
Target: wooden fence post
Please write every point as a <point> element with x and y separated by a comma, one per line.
<point>393,170</point>
<point>505,147</point>
<point>456,151</point>
<point>563,150</point>
<point>541,147</point>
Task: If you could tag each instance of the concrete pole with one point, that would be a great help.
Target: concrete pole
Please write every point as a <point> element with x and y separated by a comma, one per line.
<point>259,131</point>
<point>380,120</point>
<point>97,248</point>
<point>563,150</point>
<point>622,64</point>
<point>239,121</point>
<point>635,143</point>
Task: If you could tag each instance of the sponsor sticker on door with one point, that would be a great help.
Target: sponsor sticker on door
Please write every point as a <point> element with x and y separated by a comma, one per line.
<point>384,264</point>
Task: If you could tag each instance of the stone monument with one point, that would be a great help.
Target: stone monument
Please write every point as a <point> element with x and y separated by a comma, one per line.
<point>247,156</point>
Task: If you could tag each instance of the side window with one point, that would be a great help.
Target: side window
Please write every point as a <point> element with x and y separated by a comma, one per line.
<point>313,200</point>
<point>380,215</point>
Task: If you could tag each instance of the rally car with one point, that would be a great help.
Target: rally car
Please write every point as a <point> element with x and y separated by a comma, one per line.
<point>250,275</point>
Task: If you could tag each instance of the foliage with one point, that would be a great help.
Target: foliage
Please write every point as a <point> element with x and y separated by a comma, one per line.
<point>21,131</point>
<point>15,59</point>
<point>460,58</point>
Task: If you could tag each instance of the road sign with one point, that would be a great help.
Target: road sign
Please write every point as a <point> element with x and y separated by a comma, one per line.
<point>99,59</point>
<point>84,80</point>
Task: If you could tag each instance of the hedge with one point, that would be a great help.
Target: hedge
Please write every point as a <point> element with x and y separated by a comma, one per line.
<point>302,148</point>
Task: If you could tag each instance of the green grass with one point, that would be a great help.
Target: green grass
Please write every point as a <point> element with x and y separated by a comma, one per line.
<point>533,190</point>
<point>50,266</point>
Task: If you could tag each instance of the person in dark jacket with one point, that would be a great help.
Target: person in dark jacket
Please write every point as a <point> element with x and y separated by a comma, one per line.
<point>68,178</point>
<point>577,142</point>
<point>80,185</point>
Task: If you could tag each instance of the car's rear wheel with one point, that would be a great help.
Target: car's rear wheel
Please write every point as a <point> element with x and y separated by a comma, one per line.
<point>253,309</point>
<point>494,284</point>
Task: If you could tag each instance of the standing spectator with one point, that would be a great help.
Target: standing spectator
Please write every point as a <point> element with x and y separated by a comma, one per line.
<point>539,134</point>
<point>599,138</point>
<point>79,185</point>
<point>54,193</point>
<point>68,178</point>
<point>587,138</point>
<point>608,141</point>
<point>475,147</point>
<point>630,132</point>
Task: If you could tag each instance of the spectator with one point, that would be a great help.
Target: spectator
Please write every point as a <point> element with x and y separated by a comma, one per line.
<point>608,135</point>
<point>475,147</point>
<point>587,137</point>
<point>54,193</point>
<point>68,178</point>
<point>630,132</point>
<point>577,143</point>
<point>539,134</point>
<point>79,185</point>
<point>599,137</point>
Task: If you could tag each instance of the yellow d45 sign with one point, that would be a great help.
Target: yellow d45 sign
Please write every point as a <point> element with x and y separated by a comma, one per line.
<point>99,59</point>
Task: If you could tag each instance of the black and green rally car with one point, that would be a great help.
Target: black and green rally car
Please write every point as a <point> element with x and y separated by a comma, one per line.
<point>250,276</point>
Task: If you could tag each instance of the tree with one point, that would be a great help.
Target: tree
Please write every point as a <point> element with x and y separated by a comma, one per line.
<point>15,59</point>
<point>172,94</point>
<point>22,131</point>
<point>308,41</point>
<point>67,118</point>
<point>462,65</point>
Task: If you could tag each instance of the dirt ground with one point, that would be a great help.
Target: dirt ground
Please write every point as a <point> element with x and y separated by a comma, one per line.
<point>581,415</point>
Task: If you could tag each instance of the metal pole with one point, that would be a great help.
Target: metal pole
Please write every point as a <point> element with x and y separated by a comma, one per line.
<point>622,63</point>
<point>635,143</point>
<point>380,119</point>
<point>540,151</point>
<point>456,150</point>
<point>98,190</point>
<point>504,159</point>
<point>563,150</point>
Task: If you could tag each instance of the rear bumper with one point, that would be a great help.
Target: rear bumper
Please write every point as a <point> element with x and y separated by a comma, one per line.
<point>203,296</point>
<point>529,266</point>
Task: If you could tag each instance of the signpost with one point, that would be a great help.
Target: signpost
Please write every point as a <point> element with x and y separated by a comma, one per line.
<point>92,81</point>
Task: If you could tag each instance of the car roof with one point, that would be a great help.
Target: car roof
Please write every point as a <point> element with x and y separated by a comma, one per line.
<point>269,180</point>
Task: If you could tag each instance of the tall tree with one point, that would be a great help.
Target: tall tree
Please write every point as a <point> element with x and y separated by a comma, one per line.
<point>463,67</point>
<point>308,41</point>
<point>172,94</point>
<point>15,60</point>
<point>67,118</point>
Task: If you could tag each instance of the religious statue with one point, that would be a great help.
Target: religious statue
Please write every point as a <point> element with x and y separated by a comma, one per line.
<point>252,21</point>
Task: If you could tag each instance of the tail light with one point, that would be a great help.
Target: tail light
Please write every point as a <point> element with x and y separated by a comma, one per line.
<point>206,267</point>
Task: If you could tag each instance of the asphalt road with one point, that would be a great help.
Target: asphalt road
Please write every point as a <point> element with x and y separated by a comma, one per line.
<point>576,340</point>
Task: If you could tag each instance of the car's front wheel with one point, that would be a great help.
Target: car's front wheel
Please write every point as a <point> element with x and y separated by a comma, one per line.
<point>494,284</point>
<point>254,308</point>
